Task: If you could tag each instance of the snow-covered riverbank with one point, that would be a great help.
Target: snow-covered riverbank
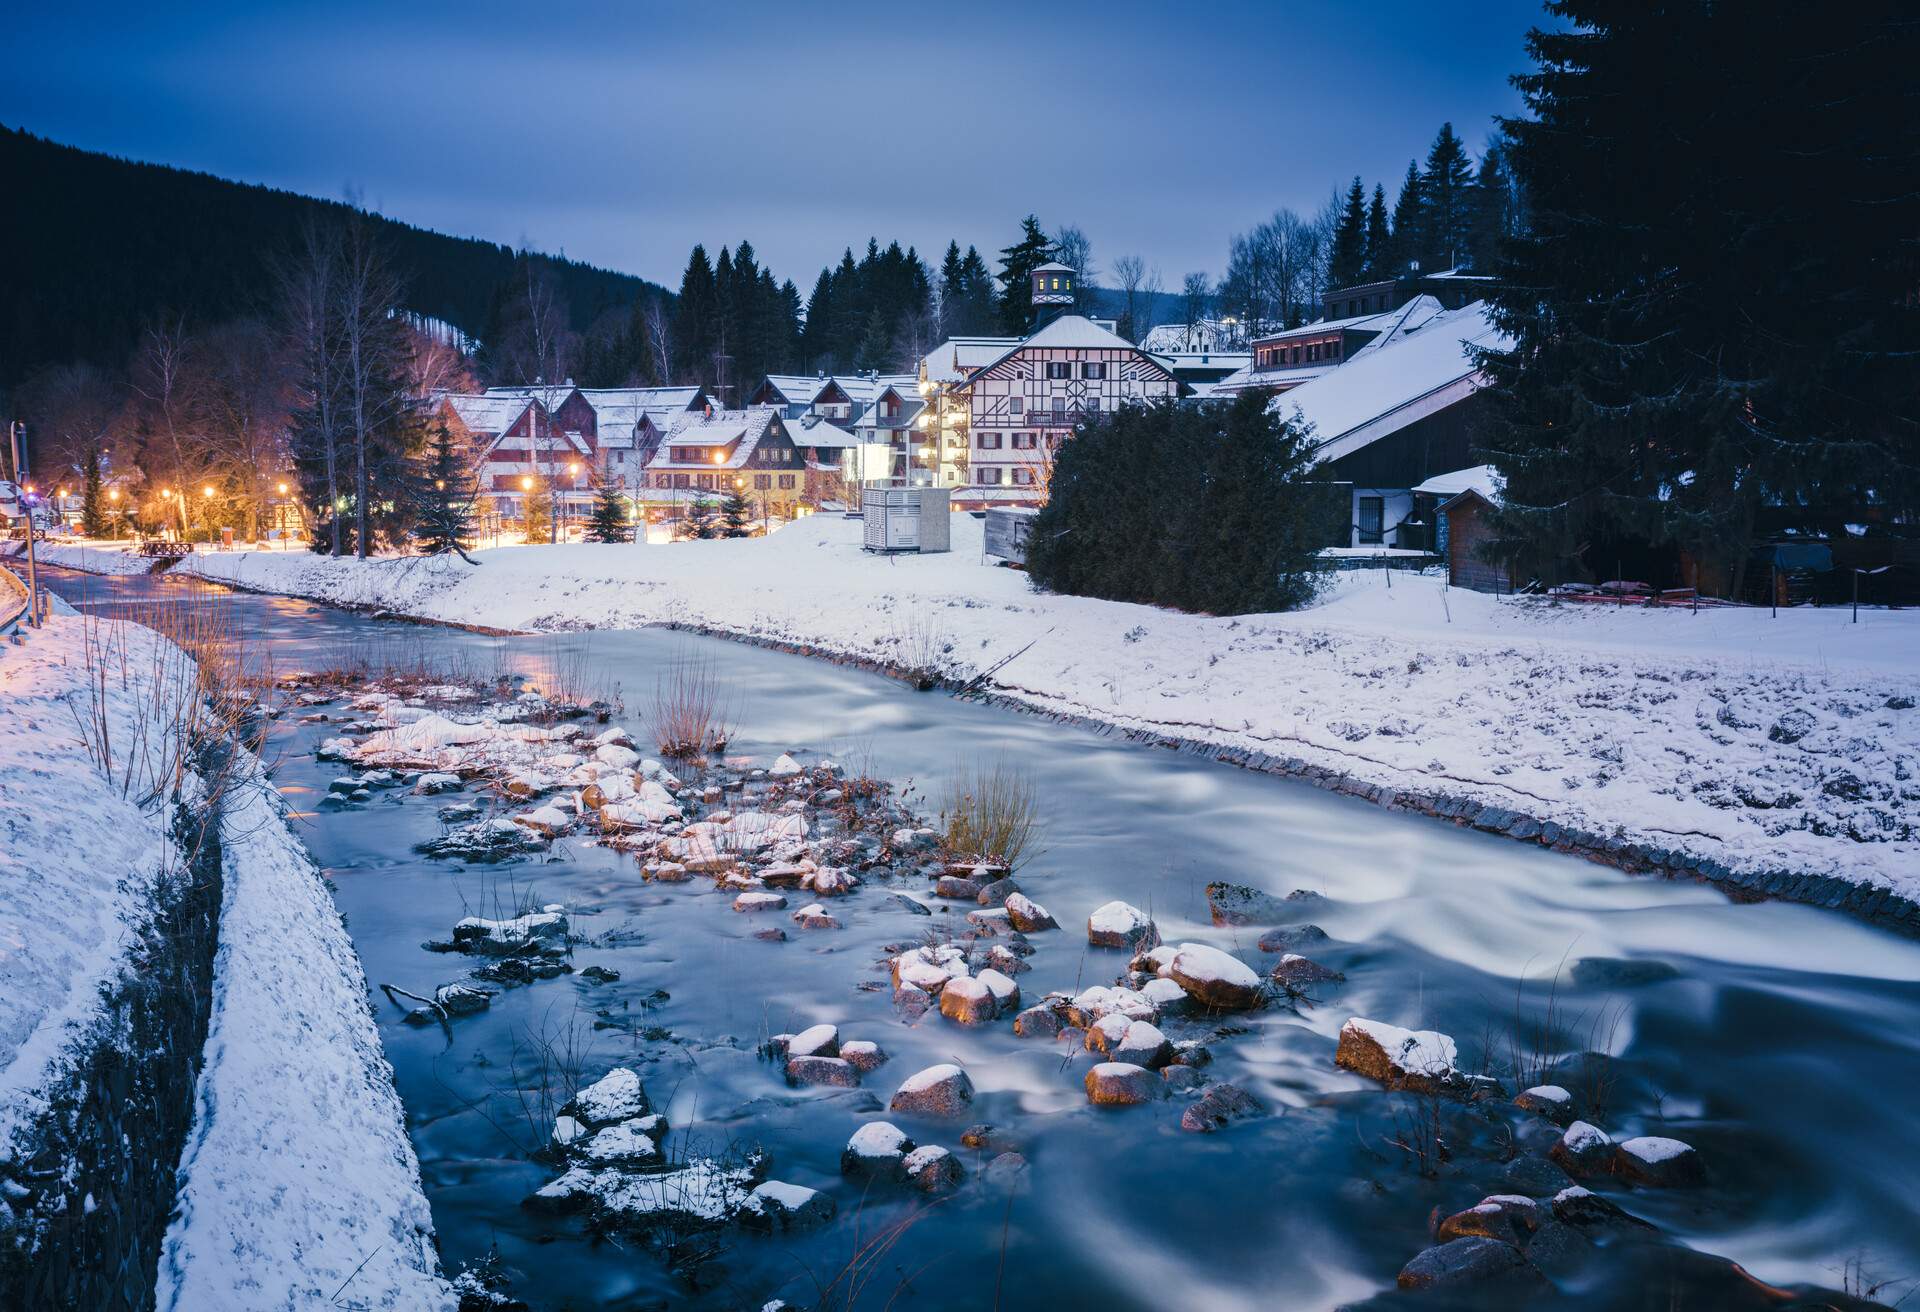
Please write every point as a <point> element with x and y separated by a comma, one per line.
<point>1770,749</point>
<point>298,1162</point>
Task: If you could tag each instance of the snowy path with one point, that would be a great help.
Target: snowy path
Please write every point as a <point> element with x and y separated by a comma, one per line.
<point>298,1187</point>
<point>1773,747</point>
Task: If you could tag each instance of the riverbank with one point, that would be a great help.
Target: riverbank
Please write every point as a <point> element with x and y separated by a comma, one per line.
<point>1772,756</point>
<point>137,919</point>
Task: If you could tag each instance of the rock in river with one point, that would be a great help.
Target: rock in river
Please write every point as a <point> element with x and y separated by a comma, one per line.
<point>1121,1084</point>
<point>616,1096</point>
<point>1419,1060</point>
<point>1652,1160</point>
<point>1237,904</point>
<point>1218,1108</point>
<point>1584,1150</point>
<point>875,1152</point>
<point>1118,925</point>
<point>968,1000</point>
<point>942,1090</point>
<point>1215,979</point>
<point>1028,916</point>
<point>1464,1262</point>
<point>932,1169</point>
<point>1548,1100</point>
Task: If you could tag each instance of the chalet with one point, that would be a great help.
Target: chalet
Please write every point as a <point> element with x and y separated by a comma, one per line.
<point>514,441</point>
<point>934,450</point>
<point>1200,372</point>
<point>1460,505</point>
<point>631,422</point>
<point>1402,410</point>
<point>711,455</point>
<point>1010,412</point>
<point>1201,337</point>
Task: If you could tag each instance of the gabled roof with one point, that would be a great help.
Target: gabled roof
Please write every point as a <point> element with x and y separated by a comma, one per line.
<point>739,430</point>
<point>1395,380</point>
<point>798,389</point>
<point>547,441</point>
<point>487,414</point>
<point>550,395</point>
<point>1052,266</point>
<point>1482,479</point>
<point>955,358</point>
<point>1377,321</point>
<point>812,430</point>
<point>644,398</point>
<point>1071,332</point>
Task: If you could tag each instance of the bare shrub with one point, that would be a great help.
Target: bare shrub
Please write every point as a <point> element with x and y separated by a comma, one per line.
<point>689,714</point>
<point>992,814</point>
<point>920,648</point>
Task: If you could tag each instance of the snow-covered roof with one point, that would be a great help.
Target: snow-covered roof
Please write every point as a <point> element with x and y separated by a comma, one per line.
<point>798,389</point>
<point>550,395</point>
<point>1378,320</point>
<point>644,398</point>
<point>1070,332</point>
<point>1484,479</point>
<point>487,414</point>
<point>955,358</point>
<point>544,443</point>
<point>1052,266</point>
<point>739,430</point>
<point>812,430</point>
<point>1383,388</point>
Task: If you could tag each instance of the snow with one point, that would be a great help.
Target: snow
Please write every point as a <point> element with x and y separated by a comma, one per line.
<point>1119,918</point>
<point>298,1186</point>
<point>931,1077</point>
<point>615,1096</point>
<point>1582,1138</point>
<point>1652,724</point>
<point>1549,1093</point>
<point>1484,479</point>
<point>1654,1149</point>
<point>1201,962</point>
<point>78,862</point>
<point>878,1139</point>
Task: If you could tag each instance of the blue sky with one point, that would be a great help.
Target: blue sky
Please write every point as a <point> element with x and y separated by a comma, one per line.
<point>623,133</point>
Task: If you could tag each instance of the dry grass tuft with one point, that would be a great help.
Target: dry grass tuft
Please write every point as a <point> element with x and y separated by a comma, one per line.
<point>992,814</point>
<point>689,714</point>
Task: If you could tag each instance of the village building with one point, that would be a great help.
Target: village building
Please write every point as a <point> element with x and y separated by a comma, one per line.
<point>1460,507</point>
<point>712,455</point>
<point>1401,411</point>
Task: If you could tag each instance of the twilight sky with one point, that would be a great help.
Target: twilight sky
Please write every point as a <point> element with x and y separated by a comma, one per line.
<point>621,133</point>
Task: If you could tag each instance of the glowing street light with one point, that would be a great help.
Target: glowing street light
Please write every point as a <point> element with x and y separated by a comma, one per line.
<point>206,491</point>
<point>526,485</point>
<point>719,457</point>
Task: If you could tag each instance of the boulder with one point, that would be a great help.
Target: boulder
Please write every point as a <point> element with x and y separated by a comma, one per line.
<point>752,901</point>
<point>1107,1031</point>
<point>1511,1218</point>
<point>1006,1170</point>
<point>1006,960</point>
<point>1166,996</point>
<point>1586,1210</point>
<point>1118,925</point>
<point>436,781</point>
<point>1237,904</point>
<point>875,1152</point>
<point>776,1206</point>
<point>1028,916</point>
<point>1291,938</point>
<point>814,1041</point>
<point>942,1090</point>
<point>1006,993</point>
<point>1142,1045</point>
<point>462,999</point>
<point>1298,971</point>
<point>968,1000</point>
<point>1584,1150</point>
<point>823,1070</point>
<point>1548,1100</point>
<point>815,917</point>
<point>932,1169</point>
<point>1182,1079</point>
<point>1662,1163</point>
<point>960,888</point>
<point>600,975</point>
<point>1119,1084</point>
<point>1214,979</point>
<point>1418,1060</point>
<point>1091,1004</point>
<point>1218,1108</point>
<point>1037,1023</point>
<point>614,1097</point>
<point>912,905</point>
<point>991,922</point>
<point>863,1055</point>
<point>996,893</point>
<point>784,768</point>
<point>629,1145</point>
<point>1464,1262</point>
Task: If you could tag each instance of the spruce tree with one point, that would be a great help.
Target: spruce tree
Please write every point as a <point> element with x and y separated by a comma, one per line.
<point>1408,240</point>
<point>736,516</point>
<point>695,315</point>
<point>537,518</point>
<point>444,493</point>
<point>1379,261</point>
<point>1447,204</point>
<point>702,521</point>
<point>93,509</point>
<point>981,315</point>
<point>608,522</point>
<point>1495,211</point>
<point>1017,263</point>
<point>1714,331</point>
<point>1347,262</point>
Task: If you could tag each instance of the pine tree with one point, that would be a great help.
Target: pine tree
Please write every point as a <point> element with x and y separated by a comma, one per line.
<point>608,522</point>
<point>1447,204</point>
<point>1017,263</point>
<point>93,509</point>
<point>537,519</point>
<point>1495,211</point>
<point>981,314</point>
<point>445,491</point>
<point>702,521</point>
<point>1379,261</point>
<point>1347,262</point>
<point>736,516</point>
<point>1408,240</point>
<point>1712,312</point>
<point>695,320</point>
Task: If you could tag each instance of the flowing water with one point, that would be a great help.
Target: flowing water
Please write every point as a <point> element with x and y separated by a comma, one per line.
<point>1782,1041</point>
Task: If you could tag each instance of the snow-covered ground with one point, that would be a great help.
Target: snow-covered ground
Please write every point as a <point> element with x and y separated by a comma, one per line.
<point>298,1186</point>
<point>1764,744</point>
<point>78,863</point>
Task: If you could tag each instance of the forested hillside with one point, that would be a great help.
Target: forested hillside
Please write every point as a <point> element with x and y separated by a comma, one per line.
<point>98,247</point>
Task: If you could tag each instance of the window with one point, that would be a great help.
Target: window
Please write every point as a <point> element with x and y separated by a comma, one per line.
<point>1023,477</point>
<point>1373,513</point>
<point>1053,441</point>
<point>1059,369</point>
<point>987,441</point>
<point>706,480</point>
<point>988,475</point>
<point>1093,369</point>
<point>1093,403</point>
<point>1015,404</point>
<point>786,482</point>
<point>680,480</point>
<point>761,482</point>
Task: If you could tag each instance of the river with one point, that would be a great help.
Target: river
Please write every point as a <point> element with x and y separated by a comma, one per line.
<point>1780,1040</point>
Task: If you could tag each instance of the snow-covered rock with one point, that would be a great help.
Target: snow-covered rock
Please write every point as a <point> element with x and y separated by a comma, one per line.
<point>875,1151</point>
<point>1654,1160</point>
<point>815,1041</point>
<point>614,1097</point>
<point>1420,1060</point>
<point>759,901</point>
<point>966,999</point>
<point>942,1090</point>
<point>776,1205</point>
<point>1028,916</point>
<point>1547,1100</point>
<point>1584,1150</point>
<point>784,768</point>
<point>932,1169</point>
<point>1120,1084</point>
<point>1215,979</point>
<point>1090,1004</point>
<point>1006,993</point>
<point>1118,925</point>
